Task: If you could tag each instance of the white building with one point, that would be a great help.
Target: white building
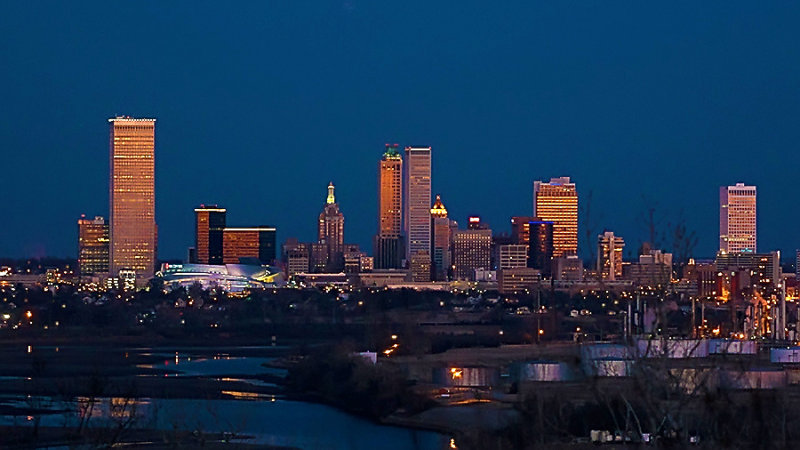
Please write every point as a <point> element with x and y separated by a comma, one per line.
<point>737,218</point>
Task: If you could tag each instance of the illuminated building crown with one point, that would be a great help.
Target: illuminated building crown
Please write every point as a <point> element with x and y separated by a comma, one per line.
<point>438,209</point>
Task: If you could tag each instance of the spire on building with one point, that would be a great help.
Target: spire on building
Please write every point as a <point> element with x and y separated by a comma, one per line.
<point>331,197</point>
<point>438,209</point>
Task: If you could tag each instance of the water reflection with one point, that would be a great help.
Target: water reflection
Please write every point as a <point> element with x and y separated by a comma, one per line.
<point>269,420</point>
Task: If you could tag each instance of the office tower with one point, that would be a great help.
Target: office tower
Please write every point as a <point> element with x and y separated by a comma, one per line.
<point>296,256</point>
<point>540,246</point>
<point>512,256</point>
<point>520,229</point>
<point>248,245</point>
<point>797,264</point>
<point>132,203</point>
<point>441,250</point>
<point>208,230</point>
<point>737,218</point>
<point>388,242</point>
<point>331,231</point>
<point>417,212</point>
<point>609,256</point>
<point>92,246</point>
<point>557,202</point>
<point>472,250</point>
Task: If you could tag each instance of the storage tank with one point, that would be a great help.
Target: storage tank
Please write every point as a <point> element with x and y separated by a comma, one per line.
<point>610,367</point>
<point>694,380</point>
<point>545,371</point>
<point>672,348</point>
<point>459,376</point>
<point>753,379</point>
<point>605,350</point>
<point>785,355</point>
<point>732,347</point>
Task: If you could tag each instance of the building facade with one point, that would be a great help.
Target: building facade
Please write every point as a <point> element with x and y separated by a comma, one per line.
<point>609,256</point>
<point>132,200</point>
<point>512,256</point>
<point>520,229</point>
<point>557,202</point>
<point>472,250</point>
<point>417,206</point>
<point>92,246</point>
<point>440,248</point>
<point>388,242</point>
<point>243,245</point>
<point>540,246</point>
<point>737,218</point>
<point>331,231</point>
<point>208,230</point>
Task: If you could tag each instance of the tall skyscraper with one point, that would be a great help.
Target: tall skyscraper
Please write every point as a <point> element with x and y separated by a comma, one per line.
<point>209,226</point>
<point>92,246</point>
<point>540,250</point>
<point>331,231</point>
<point>388,242</point>
<point>737,218</point>
<point>132,202</point>
<point>440,249</point>
<point>609,256</point>
<point>417,212</point>
<point>557,202</point>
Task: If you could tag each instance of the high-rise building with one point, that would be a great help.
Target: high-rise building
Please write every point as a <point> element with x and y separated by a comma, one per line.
<point>797,264</point>
<point>248,243</point>
<point>737,218</point>
<point>388,242</point>
<point>609,256</point>
<point>557,202</point>
<point>417,212</point>
<point>472,250</point>
<point>540,246</point>
<point>209,226</point>
<point>331,231</point>
<point>440,250</point>
<point>520,229</point>
<point>92,246</point>
<point>132,202</point>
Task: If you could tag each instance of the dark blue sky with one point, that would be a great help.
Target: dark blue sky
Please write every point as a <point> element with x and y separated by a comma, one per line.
<point>261,104</point>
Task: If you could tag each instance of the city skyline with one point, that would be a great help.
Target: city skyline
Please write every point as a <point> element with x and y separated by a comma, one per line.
<point>497,117</point>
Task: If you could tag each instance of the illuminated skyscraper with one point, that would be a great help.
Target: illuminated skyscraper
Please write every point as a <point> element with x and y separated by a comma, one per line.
<point>557,202</point>
<point>331,231</point>
<point>609,256</point>
<point>441,248</point>
<point>92,246</point>
<point>737,218</point>
<point>209,226</point>
<point>132,202</point>
<point>388,241</point>
<point>417,212</point>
